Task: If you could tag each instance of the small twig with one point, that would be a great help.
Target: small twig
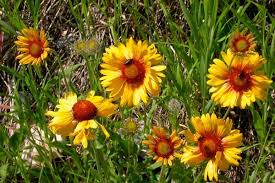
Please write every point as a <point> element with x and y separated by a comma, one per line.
<point>227,112</point>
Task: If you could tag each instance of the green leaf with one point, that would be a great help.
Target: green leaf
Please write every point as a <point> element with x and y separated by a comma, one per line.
<point>3,172</point>
<point>68,71</point>
<point>155,165</point>
<point>259,125</point>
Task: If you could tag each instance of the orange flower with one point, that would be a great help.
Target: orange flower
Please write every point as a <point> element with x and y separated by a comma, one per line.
<point>163,147</point>
<point>215,141</point>
<point>33,46</point>
<point>241,43</point>
<point>237,81</point>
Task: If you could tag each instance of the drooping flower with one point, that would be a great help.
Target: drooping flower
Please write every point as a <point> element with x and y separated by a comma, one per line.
<point>241,43</point>
<point>237,81</point>
<point>214,141</point>
<point>76,117</point>
<point>33,46</point>
<point>162,147</point>
<point>132,72</point>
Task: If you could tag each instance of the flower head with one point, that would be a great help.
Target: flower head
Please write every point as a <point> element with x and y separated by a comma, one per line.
<point>33,46</point>
<point>237,81</point>
<point>132,72</point>
<point>213,141</point>
<point>131,126</point>
<point>163,147</point>
<point>86,47</point>
<point>76,117</point>
<point>242,43</point>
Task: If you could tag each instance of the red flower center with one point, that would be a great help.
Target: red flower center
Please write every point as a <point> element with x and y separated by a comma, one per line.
<point>164,148</point>
<point>36,49</point>
<point>241,44</point>
<point>209,145</point>
<point>133,71</point>
<point>240,80</point>
<point>84,110</point>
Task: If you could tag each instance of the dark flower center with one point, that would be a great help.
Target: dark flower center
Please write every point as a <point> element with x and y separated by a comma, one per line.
<point>84,110</point>
<point>240,80</point>
<point>164,148</point>
<point>36,49</point>
<point>133,71</point>
<point>209,145</point>
<point>241,44</point>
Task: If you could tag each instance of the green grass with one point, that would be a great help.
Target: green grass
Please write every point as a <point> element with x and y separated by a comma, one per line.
<point>189,36</point>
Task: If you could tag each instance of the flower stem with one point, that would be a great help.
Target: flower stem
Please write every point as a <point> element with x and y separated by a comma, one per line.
<point>162,176</point>
<point>99,163</point>
<point>227,112</point>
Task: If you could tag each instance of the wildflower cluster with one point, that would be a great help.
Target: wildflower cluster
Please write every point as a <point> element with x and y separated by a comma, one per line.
<point>236,80</point>
<point>132,73</point>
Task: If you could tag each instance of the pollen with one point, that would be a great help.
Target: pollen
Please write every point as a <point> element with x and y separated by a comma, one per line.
<point>36,50</point>
<point>240,80</point>
<point>164,149</point>
<point>133,72</point>
<point>84,110</point>
<point>242,43</point>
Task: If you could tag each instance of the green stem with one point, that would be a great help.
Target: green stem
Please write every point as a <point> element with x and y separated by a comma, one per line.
<point>263,146</point>
<point>162,175</point>
<point>62,70</point>
<point>37,69</point>
<point>90,71</point>
<point>129,144</point>
<point>227,112</point>
<point>101,164</point>
<point>97,160</point>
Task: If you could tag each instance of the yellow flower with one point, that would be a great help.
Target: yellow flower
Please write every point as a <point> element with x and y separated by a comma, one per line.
<point>132,72</point>
<point>241,43</point>
<point>214,141</point>
<point>163,147</point>
<point>76,117</point>
<point>237,81</point>
<point>33,46</point>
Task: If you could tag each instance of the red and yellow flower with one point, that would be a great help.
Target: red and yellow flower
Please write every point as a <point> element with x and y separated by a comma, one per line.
<point>162,147</point>
<point>236,81</point>
<point>241,43</point>
<point>33,46</point>
<point>213,141</point>
<point>76,117</point>
<point>132,72</point>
